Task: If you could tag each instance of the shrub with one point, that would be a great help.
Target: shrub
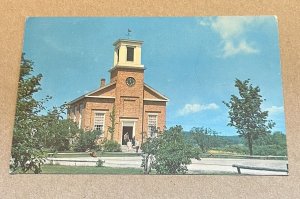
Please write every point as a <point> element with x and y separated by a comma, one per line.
<point>274,150</point>
<point>23,160</point>
<point>88,140</point>
<point>236,148</point>
<point>171,152</point>
<point>111,146</point>
<point>100,163</point>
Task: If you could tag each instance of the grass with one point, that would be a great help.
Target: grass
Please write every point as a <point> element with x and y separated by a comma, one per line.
<point>99,154</point>
<point>212,173</point>
<point>59,169</point>
<point>240,156</point>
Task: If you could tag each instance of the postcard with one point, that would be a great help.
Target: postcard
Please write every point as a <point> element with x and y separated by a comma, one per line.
<point>150,96</point>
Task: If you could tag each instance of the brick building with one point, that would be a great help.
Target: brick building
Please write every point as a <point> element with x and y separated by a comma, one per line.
<point>138,107</point>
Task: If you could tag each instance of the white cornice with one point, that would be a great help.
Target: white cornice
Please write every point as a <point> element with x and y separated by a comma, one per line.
<point>133,67</point>
<point>101,88</point>
<point>94,91</point>
<point>101,97</point>
<point>156,100</point>
<point>128,41</point>
<point>155,91</point>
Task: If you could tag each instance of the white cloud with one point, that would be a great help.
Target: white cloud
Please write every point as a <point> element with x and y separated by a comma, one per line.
<point>231,27</point>
<point>194,108</point>
<point>232,31</point>
<point>204,22</point>
<point>275,109</point>
<point>243,47</point>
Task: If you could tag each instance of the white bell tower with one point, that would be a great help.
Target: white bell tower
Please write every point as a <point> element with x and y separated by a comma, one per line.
<point>128,53</point>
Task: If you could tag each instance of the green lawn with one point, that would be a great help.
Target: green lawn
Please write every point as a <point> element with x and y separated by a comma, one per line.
<point>99,154</point>
<point>236,156</point>
<point>59,169</point>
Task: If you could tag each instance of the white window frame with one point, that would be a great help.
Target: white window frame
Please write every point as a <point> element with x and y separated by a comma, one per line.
<point>80,115</point>
<point>74,116</point>
<point>156,122</point>
<point>101,112</point>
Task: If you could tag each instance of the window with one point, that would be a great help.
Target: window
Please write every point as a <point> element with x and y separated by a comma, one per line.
<point>130,53</point>
<point>152,124</point>
<point>80,115</point>
<point>74,113</point>
<point>99,121</point>
<point>118,53</point>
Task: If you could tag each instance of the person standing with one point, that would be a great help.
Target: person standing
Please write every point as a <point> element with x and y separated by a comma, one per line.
<point>126,137</point>
<point>129,145</point>
<point>133,141</point>
<point>137,146</point>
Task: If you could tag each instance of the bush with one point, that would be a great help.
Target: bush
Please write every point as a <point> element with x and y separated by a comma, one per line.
<point>237,148</point>
<point>111,146</point>
<point>100,163</point>
<point>274,150</point>
<point>171,152</point>
<point>88,140</point>
<point>265,150</point>
<point>26,159</point>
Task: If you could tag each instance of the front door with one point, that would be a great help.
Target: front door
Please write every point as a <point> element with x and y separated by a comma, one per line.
<point>129,130</point>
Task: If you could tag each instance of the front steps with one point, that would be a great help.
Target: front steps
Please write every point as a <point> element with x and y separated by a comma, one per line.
<point>125,149</point>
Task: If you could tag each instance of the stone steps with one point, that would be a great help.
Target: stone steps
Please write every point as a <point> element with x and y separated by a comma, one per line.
<point>125,149</point>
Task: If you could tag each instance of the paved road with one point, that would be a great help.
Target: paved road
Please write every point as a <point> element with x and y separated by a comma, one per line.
<point>203,166</point>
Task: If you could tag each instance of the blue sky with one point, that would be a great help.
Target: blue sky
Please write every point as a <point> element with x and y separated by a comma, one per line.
<point>192,60</point>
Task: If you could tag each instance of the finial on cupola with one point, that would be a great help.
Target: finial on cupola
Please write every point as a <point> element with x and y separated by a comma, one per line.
<point>128,33</point>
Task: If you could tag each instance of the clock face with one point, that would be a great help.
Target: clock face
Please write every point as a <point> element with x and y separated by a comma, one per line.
<point>130,81</point>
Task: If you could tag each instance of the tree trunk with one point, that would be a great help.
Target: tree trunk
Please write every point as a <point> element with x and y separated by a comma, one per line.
<point>146,166</point>
<point>202,148</point>
<point>250,145</point>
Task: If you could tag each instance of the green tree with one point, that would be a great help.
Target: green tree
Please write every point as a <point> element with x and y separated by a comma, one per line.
<point>279,138</point>
<point>88,140</point>
<point>271,144</point>
<point>201,138</point>
<point>245,113</point>
<point>33,132</point>
<point>112,117</point>
<point>57,134</point>
<point>27,152</point>
<point>171,152</point>
<point>61,135</point>
<point>206,138</point>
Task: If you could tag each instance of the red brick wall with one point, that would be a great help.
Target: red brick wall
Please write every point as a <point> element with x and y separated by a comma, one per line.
<point>71,111</point>
<point>91,105</point>
<point>129,104</point>
<point>95,104</point>
<point>149,94</point>
<point>131,97</point>
<point>155,107</point>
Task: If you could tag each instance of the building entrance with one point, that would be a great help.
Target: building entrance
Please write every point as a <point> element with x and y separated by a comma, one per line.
<point>129,130</point>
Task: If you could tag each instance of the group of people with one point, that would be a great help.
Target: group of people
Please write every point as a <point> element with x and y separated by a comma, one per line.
<point>131,143</point>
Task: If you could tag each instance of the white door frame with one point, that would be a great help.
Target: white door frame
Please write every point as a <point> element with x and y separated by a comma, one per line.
<point>133,121</point>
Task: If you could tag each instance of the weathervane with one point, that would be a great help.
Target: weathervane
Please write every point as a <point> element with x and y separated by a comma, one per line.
<point>128,33</point>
